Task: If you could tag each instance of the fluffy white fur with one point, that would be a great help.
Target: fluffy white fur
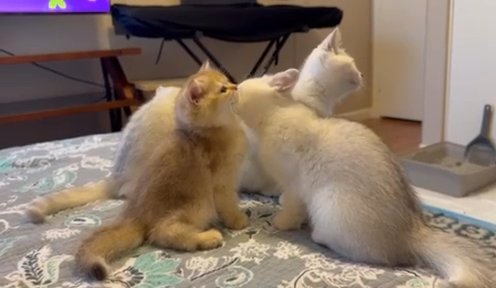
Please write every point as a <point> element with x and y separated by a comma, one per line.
<point>146,129</point>
<point>348,183</point>
<point>253,177</point>
<point>327,76</point>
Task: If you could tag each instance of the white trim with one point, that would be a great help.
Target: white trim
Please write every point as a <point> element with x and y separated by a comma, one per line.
<point>479,206</point>
<point>449,62</point>
<point>436,70</point>
<point>357,115</point>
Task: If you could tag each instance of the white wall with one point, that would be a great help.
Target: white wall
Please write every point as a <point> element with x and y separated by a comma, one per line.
<point>473,74</point>
<point>44,34</point>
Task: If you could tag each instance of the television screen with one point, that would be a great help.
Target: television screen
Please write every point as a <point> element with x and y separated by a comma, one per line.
<point>54,6</point>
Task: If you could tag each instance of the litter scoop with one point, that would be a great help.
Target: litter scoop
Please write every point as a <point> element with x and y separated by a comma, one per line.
<point>481,150</point>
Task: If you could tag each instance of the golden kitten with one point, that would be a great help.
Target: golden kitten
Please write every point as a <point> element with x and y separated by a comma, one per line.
<point>188,180</point>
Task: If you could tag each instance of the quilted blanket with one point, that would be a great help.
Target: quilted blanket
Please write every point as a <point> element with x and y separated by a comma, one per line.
<point>258,256</point>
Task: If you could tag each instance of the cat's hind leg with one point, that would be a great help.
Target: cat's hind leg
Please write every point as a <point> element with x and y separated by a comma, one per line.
<point>358,230</point>
<point>179,235</point>
<point>292,214</point>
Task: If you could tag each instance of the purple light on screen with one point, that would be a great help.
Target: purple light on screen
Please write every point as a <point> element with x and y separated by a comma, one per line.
<point>54,6</point>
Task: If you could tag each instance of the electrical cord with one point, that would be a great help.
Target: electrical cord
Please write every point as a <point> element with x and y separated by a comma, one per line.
<point>58,73</point>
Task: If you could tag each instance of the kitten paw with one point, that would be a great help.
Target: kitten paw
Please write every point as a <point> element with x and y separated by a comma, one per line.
<point>237,222</point>
<point>285,222</point>
<point>210,239</point>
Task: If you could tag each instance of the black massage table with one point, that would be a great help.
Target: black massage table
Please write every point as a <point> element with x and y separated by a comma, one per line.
<point>233,23</point>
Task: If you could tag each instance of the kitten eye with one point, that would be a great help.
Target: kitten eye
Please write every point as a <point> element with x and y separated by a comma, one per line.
<point>223,89</point>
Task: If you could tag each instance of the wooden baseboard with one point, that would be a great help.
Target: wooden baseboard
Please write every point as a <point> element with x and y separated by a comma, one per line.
<point>66,111</point>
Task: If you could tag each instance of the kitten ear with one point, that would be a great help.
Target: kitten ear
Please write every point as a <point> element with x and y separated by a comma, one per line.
<point>332,42</point>
<point>283,81</point>
<point>337,40</point>
<point>195,91</point>
<point>206,66</point>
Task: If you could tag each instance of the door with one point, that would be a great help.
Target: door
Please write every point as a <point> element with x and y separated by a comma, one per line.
<point>399,35</point>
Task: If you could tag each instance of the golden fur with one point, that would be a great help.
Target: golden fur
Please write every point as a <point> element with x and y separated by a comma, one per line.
<point>188,180</point>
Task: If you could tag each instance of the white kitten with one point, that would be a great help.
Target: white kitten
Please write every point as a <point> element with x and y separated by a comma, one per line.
<point>328,75</point>
<point>324,80</point>
<point>253,178</point>
<point>346,180</point>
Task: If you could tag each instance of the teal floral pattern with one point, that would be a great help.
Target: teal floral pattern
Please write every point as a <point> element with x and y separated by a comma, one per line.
<point>38,268</point>
<point>83,220</point>
<point>153,269</point>
<point>258,256</point>
<point>5,166</point>
<point>7,243</point>
<point>235,276</point>
<point>57,181</point>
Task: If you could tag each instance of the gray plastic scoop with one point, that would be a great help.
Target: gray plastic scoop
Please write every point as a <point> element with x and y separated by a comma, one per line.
<point>481,150</point>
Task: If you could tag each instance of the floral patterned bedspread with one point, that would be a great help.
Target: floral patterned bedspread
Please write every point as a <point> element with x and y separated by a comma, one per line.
<point>259,256</point>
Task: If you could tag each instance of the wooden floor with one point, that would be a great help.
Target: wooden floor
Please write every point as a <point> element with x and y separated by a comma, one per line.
<point>400,135</point>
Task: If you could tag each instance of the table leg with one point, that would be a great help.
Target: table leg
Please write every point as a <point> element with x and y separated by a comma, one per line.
<point>114,124</point>
<point>261,58</point>
<point>274,58</point>
<point>123,89</point>
<point>212,58</point>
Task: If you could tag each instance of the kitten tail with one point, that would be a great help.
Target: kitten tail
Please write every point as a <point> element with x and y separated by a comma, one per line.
<point>457,260</point>
<point>107,243</point>
<point>39,208</point>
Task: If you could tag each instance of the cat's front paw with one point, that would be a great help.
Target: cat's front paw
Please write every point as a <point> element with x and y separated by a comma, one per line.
<point>284,221</point>
<point>210,239</point>
<point>237,221</point>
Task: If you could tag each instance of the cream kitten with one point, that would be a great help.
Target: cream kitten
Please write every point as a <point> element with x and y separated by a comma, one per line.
<point>324,80</point>
<point>152,122</point>
<point>188,180</point>
<point>148,126</point>
<point>342,177</point>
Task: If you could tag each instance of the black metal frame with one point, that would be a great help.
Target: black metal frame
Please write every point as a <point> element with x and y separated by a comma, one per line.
<point>274,58</point>
<point>114,114</point>
<point>275,44</point>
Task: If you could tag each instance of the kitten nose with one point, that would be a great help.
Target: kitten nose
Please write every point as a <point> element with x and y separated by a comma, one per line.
<point>361,75</point>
